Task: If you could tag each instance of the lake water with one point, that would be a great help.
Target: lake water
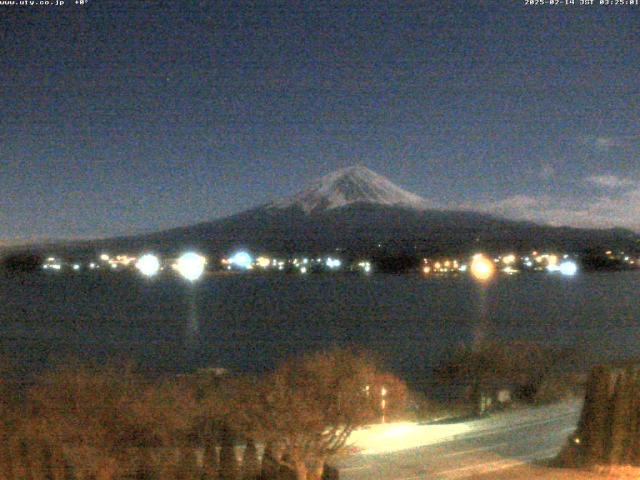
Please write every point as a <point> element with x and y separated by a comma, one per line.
<point>247,323</point>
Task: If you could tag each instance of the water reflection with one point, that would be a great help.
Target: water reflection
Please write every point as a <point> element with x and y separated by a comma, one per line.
<point>167,323</point>
<point>483,325</point>
<point>192,331</point>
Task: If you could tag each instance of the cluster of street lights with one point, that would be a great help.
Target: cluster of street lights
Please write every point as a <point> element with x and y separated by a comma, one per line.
<point>383,400</point>
<point>190,265</point>
<point>483,269</point>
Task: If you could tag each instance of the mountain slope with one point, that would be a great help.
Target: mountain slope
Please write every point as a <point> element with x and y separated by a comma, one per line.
<point>358,212</point>
<point>350,186</point>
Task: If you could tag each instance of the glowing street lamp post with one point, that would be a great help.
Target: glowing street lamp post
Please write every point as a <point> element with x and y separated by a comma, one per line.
<point>383,402</point>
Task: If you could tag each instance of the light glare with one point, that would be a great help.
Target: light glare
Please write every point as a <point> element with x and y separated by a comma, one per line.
<point>241,259</point>
<point>148,265</point>
<point>263,262</point>
<point>568,268</point>
<point>191,266</point>
<point>482,268</point>
<point>333,262</point>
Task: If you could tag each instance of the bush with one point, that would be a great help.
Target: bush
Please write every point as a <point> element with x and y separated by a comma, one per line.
<point>557,386</point>
<point>109,422</point>
<point>489,365</point>
<point>98,416</point>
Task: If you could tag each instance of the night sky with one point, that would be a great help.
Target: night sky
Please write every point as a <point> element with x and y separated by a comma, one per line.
<point>132,116</point>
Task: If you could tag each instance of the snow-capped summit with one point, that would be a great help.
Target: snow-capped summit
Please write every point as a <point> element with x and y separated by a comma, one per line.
<point>351,185</point>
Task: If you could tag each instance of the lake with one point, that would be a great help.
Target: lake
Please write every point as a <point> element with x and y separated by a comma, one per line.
<point>249,322</point>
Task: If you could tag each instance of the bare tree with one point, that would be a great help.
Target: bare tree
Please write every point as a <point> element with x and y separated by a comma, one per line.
<point>309,406</point>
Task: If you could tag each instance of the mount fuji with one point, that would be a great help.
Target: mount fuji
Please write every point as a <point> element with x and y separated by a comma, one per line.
<point>358,212</point>
<point>349,186</point>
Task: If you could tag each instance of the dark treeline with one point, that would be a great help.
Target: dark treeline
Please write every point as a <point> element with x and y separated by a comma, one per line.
<point>26,262</point>
<point>79,422</point>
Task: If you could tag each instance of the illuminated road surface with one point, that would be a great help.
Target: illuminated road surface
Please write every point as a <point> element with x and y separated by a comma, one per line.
<point>409,451</point>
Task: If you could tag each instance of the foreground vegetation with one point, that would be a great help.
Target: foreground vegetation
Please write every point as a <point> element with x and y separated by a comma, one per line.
<point>609,429</point>
<point>78,423</point>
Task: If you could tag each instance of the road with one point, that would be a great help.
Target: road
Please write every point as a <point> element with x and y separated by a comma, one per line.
<point>411,451</point>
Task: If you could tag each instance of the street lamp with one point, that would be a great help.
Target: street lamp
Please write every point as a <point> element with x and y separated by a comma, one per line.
<point>148,265</point>
<point>191,266</point>
<point>242,260</point>
<point>568,268</point>
<point>482,268</point>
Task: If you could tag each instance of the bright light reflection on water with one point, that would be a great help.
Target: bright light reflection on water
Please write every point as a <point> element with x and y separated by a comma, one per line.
<point>249,322</point>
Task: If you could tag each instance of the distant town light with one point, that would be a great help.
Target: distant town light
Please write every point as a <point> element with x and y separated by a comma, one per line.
<point>365,266</point>
<point>76,267</point>
<point>191,266</point>
<point>263,262</point>
<point>333,262</point>
<point>148,265</point>
<point>303,270</point>
<point>509,259</point>
<point>104,257</point>
<point>482,268</point>
<point>241,259</point>
<point>568,268</point>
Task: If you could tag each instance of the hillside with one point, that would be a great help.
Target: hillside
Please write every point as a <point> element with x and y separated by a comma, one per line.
<point>356,211</point>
